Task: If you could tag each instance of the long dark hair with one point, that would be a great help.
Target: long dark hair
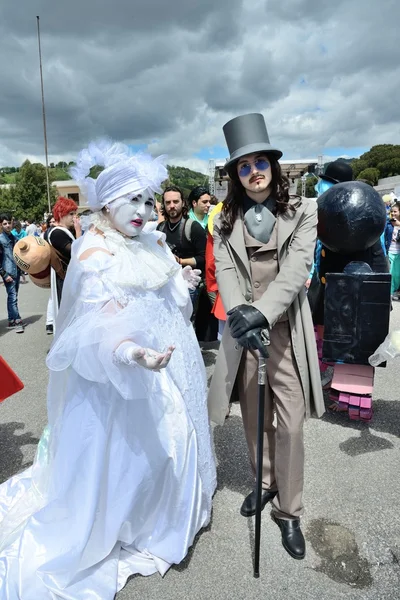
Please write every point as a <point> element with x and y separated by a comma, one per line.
<point>233,201</point>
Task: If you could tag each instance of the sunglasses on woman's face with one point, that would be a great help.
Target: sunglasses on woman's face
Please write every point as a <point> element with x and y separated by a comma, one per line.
<point>261,164</point>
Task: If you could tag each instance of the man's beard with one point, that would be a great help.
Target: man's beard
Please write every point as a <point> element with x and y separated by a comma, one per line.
<point>174,214</point>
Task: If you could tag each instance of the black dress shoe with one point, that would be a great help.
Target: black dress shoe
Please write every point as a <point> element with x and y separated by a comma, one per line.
<point>292,537</point>
<point>248,508</point>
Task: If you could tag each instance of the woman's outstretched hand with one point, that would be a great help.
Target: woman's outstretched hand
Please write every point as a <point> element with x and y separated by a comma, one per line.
<point>150,359</point>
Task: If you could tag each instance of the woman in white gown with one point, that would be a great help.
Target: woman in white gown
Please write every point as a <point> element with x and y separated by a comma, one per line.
<point>124,473</point>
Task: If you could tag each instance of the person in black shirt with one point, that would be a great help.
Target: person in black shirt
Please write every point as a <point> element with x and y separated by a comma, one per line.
<point>186,238</point>
<point>50,224</point>
<point>61,238</point>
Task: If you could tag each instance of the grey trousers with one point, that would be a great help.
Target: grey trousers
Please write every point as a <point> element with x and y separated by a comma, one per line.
<point>283,465</point>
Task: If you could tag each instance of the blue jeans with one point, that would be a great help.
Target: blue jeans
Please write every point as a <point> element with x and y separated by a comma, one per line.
<point>12,299</point>
<point>194,294</point>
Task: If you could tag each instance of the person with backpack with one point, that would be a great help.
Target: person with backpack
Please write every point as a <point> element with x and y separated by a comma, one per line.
<point>185,237</point>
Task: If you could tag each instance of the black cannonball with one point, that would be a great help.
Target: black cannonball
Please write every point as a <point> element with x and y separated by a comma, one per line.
<point>351,217</point>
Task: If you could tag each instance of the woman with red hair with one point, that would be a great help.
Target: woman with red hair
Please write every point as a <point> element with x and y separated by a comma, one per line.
<point>68,228</point>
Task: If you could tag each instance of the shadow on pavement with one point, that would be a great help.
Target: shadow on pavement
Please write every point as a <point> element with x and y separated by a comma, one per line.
<point>365,443</point>
<point>386,419</point>
<point>11,455</point>
<point>32,319</point>
<point>186,561</point>
<point>234,471</point>
<point>3,327</point>
<point>28,321</point>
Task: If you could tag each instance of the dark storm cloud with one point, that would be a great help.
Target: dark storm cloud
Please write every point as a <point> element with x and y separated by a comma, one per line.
<point>170,74</point>
<point>98,19</point>
<point>110,68</point>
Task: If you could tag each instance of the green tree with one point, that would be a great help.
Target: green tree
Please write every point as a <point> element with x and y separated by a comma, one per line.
<point>7,203</point>
<point>95,171</point>
<point>10,177</point>
<point>389,167</point>
<point>384,157</point>
<point>310,187</point>
<point>30,191</point>
<point>58,174</point>
<point>185,178</point>
<point>358,166</point>
<point>370,174</point>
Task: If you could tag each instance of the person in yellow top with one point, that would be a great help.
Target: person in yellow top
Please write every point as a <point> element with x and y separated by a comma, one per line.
<point>211,281</point>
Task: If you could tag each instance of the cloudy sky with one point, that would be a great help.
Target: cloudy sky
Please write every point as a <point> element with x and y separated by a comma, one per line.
<point>167,75</point>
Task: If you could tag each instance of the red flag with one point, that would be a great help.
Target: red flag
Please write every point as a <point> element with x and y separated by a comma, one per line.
<point>10,383</point>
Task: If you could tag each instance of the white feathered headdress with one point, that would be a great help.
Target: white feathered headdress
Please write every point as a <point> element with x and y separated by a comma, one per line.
<point>124,172</point>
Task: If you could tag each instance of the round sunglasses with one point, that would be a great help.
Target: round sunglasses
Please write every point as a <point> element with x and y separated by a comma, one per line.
<point>261,164</point>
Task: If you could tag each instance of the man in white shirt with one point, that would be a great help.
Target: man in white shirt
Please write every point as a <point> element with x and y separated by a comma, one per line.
<point>31,228</point>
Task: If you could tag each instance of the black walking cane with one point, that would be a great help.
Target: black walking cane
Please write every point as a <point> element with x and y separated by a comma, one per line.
<point>262,375</point>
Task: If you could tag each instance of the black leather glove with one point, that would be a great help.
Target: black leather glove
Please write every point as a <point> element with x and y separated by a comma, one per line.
<point>254,340</point>
<point>244,317</point>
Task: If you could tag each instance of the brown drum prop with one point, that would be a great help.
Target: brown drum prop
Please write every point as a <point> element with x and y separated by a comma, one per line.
<point>33,255</point>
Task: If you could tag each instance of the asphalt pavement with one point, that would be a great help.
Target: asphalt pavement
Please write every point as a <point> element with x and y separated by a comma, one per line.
<point>352,491</point>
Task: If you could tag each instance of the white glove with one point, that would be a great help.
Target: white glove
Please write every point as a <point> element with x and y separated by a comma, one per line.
<point>191,276</point>
<point>389,349</point>
<point>129,353</point>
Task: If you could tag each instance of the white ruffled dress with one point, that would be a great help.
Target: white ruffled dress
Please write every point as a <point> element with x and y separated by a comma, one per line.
<point>125,473</point>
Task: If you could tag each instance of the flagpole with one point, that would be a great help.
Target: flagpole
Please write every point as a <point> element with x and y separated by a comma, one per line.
<point>44,118</point>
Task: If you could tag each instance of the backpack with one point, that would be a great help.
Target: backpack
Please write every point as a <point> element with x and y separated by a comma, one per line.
<point>185,228</point>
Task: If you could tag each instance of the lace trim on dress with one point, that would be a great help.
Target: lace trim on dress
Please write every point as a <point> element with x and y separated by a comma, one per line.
<point>143,263</point>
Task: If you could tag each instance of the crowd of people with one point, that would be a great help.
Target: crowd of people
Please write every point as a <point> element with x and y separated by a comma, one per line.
<point>184,222</point>
<point>185,225</point>
<point>128,406</point>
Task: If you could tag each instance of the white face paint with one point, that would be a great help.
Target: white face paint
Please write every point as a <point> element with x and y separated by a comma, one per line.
<point>130,214</point>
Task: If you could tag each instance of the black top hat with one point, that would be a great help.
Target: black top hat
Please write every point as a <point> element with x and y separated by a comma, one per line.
<point>247,134</point>
<point>338,171</point>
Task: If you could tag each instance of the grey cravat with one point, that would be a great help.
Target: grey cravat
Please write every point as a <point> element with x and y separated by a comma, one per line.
<point>260,222</point>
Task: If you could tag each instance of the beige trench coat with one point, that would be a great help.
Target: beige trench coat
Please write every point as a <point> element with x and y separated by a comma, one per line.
<point>296,234</point>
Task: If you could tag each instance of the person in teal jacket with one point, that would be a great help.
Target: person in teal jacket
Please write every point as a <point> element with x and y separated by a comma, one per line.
<point>18,232</point>
<point>199,201</point>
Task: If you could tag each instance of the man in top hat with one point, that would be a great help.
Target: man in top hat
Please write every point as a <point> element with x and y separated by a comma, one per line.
<point>263,245</point>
